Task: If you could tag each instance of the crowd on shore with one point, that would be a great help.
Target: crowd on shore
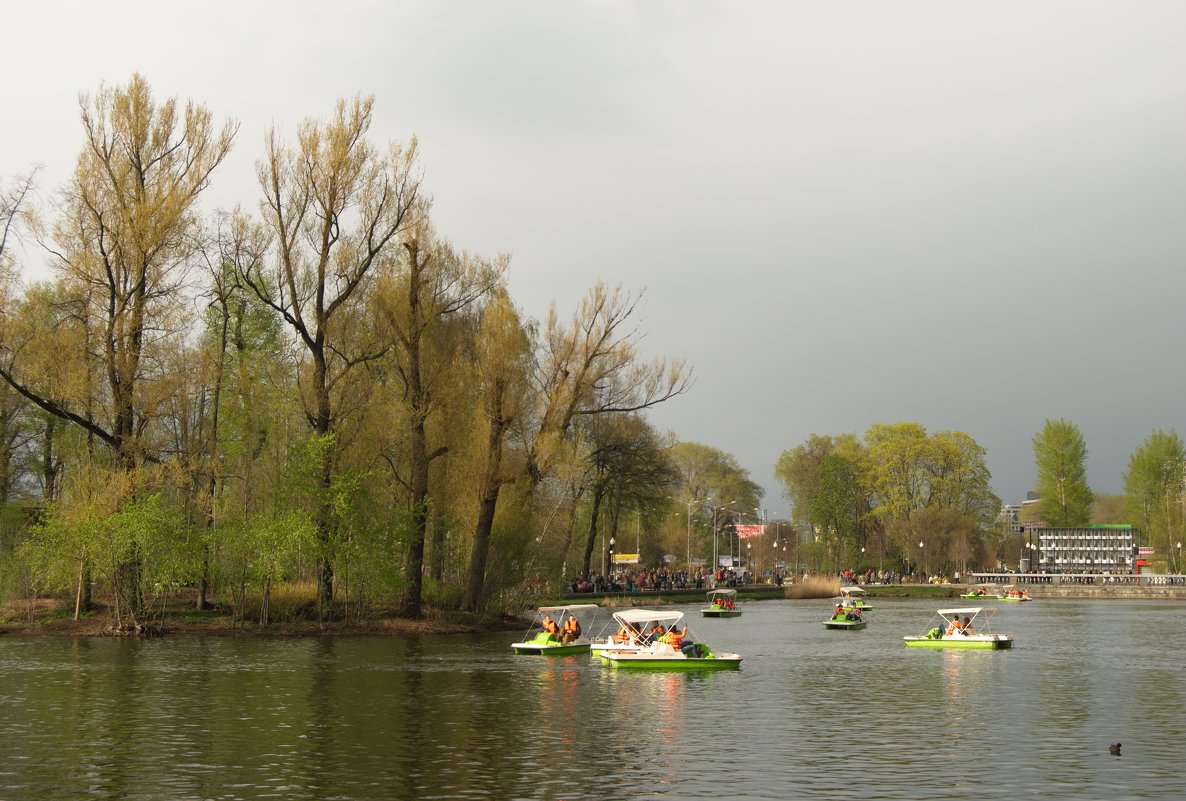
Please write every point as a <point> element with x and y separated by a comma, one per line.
<point>666,579</point>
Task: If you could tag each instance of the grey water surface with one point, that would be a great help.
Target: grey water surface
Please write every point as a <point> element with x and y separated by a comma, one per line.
<point>813,713</point>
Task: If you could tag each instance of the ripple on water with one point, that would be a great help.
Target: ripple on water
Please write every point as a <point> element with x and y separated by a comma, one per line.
<point>812,713</point>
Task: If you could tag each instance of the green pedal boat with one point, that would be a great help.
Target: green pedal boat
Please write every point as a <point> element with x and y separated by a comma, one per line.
<point>848,620</point>
<point>547,636</point>
<point>722,603</point>
<point>657,651</point>
<point>971,633</point>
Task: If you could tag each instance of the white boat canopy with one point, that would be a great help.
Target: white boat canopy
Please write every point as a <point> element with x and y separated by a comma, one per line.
<point>635,616</point>
<point>852,591</point>
<point>722,592</point>
<point>568,608</point>
<point>971,610</point>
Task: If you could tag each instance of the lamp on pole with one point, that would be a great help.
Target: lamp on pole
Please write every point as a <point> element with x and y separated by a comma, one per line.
<point>1179,558</point>
<point>922,551</point>
<point>611,556</point>
<point>716,559</point>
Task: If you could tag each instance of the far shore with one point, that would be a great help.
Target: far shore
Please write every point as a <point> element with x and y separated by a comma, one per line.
<point>42,618</point>
<point>48,618</point>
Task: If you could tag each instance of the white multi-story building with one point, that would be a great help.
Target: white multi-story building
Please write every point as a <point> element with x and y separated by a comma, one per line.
<point>1090,549</point>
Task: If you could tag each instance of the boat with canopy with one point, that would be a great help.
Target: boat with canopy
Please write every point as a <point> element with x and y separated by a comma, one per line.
<point>721,603</point>
<point>663,646</point>
<point>552,632</point>
<point>858,597</point>
<point>970,632</point>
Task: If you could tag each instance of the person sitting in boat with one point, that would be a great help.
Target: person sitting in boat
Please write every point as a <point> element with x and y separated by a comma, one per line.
<point>729,604</point>
<point>676,638</point>
<point>657,634</point>
<point>549,626</point>
<point>955,628</point>
<point>853,614</point>
<point>624,635</point>
<point>838,612</point>
<point>717,603</point>
<point>571,629</point>
<point>966,627</point>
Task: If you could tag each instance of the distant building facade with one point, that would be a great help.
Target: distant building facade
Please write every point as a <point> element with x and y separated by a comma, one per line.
<point>1089,549</point>
<point>1010,517</point>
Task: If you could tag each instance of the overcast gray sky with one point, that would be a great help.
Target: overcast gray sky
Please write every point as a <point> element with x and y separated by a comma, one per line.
<point>966,215</point>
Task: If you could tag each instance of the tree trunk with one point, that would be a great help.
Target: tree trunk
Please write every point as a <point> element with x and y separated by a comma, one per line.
<point>594,512</point>
<point>475,583</point>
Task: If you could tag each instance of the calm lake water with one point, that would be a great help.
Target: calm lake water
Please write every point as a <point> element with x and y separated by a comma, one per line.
<point>812,713</point>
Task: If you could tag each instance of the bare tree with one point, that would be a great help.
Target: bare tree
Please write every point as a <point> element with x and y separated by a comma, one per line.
<point>336,209</point>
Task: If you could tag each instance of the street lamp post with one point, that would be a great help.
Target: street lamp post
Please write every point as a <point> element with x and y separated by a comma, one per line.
<point>923,553</point>
<point>1179,558</point>
<point>716,559</point>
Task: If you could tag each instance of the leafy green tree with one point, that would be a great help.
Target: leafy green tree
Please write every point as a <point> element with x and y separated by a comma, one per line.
<point>629,463</point>
<point>1153,487</point>
<point>124,242</point>
<point>798,470</point>
<point>710,477</point>
<point>1061,457</point>
<point>1109,509</point>
<point>837,506</point>
<point>961,478</point>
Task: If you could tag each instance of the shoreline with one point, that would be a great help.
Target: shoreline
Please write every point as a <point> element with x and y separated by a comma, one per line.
<point>19,621</point>
<point>44,619</point>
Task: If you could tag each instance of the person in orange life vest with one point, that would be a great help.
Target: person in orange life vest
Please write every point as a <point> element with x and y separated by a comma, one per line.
<point>675,638</point>
<point>955,628</point>
<point>572,629</point>
<point>549,626</point>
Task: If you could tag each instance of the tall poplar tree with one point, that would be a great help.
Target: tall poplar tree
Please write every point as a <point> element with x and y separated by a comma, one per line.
<point>1061,457</point>
<point>1153,487</point>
